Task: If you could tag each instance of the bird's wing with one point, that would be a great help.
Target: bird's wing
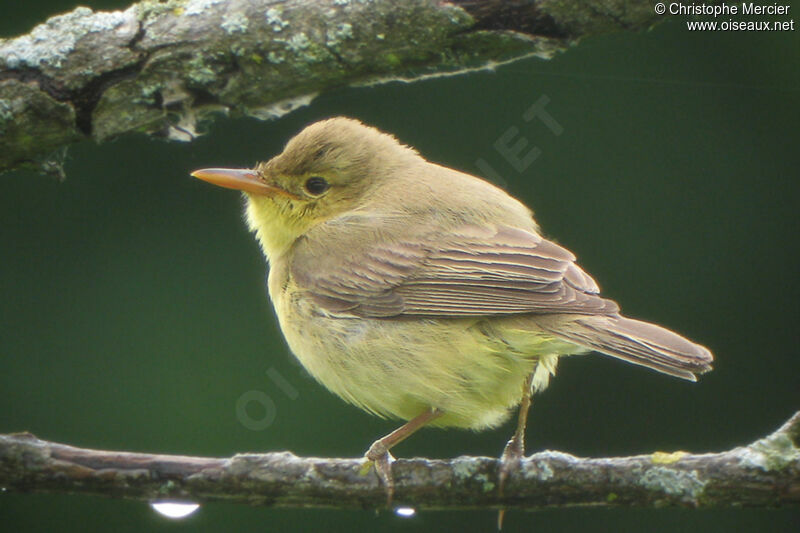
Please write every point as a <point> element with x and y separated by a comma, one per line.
<point>470,271</point>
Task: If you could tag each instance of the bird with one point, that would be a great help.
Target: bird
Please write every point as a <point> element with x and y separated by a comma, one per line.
<point>422,293</point>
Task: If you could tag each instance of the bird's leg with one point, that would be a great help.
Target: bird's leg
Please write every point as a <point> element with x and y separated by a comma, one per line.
<point>378,454</point>
<point>515,448</point>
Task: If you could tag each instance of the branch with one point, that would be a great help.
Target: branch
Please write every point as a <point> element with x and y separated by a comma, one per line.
<point>764,474</point>
<point>162,67</point>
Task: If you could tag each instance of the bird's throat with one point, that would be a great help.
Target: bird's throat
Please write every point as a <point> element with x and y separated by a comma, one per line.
<point>275,225</point>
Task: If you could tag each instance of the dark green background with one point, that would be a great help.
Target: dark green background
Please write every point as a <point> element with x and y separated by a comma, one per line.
<point>134,314</point>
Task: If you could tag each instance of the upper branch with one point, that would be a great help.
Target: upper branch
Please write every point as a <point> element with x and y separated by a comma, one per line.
<point>160,66</point>
<point>764,474</point>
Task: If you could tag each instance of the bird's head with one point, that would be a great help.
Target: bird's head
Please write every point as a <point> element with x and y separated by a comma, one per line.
<point>326,170</point>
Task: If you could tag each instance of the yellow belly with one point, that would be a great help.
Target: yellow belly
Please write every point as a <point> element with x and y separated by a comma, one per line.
<point>472,369</point>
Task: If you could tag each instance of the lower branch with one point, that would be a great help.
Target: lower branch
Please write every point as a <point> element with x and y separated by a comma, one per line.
<point>764,474</point>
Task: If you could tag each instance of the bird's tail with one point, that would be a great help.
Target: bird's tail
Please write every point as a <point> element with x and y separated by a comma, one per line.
<point>637,342</point>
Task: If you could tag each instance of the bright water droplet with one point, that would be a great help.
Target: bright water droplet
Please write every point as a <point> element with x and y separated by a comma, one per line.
<point>175,510</point>
<point>405,512</point>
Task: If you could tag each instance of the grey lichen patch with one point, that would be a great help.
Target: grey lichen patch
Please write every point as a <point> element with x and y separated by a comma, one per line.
<point>305,51</point>
<point>147,94</point>
<point>274,19</point>
<point>234,23</point>
<point>104,21</point>
<point>298,42</point>
<point>685,484</point>
<point>554,456</point>
<point>272,467</point>
<point>464,468</point>
<point>340,33</point>
<point>200,71</point>
<point>275,57</point>
<point>49,44</point>
<point>197,7</point>
<point>486,484</point>
<point>147,9</point>
<point>6,113</point>
<point>772,453</point>
<point>537,469</point>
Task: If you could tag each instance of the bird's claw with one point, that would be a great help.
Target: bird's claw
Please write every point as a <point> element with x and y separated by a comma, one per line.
<point>382,460</point>
<point>513,452</point>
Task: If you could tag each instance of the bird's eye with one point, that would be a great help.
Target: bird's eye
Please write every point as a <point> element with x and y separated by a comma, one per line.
<point>316,185</point>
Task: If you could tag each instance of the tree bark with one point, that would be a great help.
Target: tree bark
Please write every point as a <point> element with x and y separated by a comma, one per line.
<point>163,67</point>
<point>764,474</point>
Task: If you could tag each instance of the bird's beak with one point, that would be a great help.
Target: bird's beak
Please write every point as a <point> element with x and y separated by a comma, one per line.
<point>243,179</point>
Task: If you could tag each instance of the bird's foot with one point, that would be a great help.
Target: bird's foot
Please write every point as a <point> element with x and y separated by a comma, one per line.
<point>513,452</point>
<point>379,457</point>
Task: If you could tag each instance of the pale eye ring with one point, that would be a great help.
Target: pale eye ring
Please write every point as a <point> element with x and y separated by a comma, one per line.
<point>316,185</point>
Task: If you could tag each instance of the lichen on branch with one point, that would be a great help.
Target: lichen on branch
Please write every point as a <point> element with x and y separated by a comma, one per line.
<point>764,474</point>
<point>163,67</point>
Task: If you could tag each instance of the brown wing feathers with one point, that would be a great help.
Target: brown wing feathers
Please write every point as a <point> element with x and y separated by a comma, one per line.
<point>637,342</point>
<point>478,272</point>
<point>472,272</point>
